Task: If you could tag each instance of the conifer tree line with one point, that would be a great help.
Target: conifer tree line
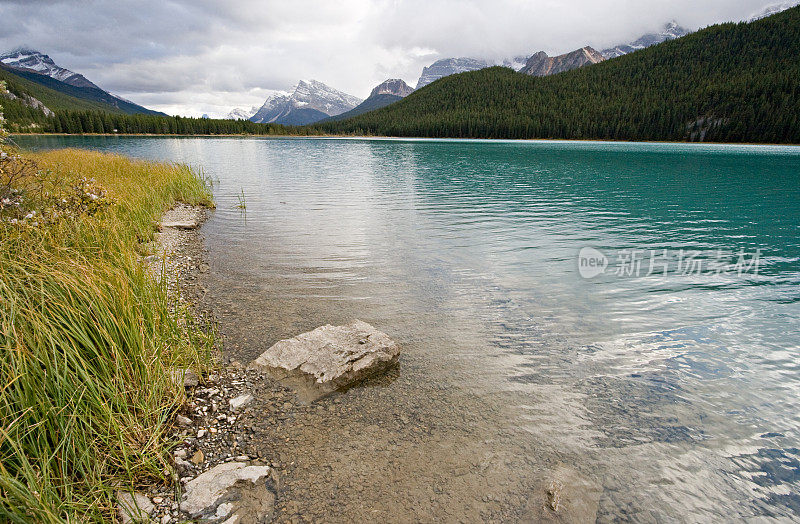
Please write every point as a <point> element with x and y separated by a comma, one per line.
<point>102,122</point>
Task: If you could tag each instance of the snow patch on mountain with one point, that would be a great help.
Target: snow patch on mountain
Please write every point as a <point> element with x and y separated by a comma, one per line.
<point>773,9</point>
<point>238,113</point>
<point>670,31</point>
<point>516,63</point>
<point>449,66</point>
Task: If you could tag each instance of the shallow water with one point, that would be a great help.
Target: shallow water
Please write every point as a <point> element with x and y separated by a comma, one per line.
<point>675,394</point>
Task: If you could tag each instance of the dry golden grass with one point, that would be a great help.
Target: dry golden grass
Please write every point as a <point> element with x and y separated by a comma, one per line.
<point>87,335</point>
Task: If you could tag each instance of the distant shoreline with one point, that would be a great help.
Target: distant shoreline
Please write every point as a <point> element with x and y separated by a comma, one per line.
<point>386,137</point>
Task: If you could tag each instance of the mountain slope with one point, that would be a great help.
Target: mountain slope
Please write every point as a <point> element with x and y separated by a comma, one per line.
<point>40,69</point>
<point>385,93</point>
<point>52,98</point>
<point>542,65</point>
<point>310,102</point>
<point>670,31</point>
<point>731,82</point>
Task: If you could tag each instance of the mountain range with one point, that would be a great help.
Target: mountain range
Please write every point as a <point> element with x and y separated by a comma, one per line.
<point>726,83</point>
<point>296,108</point>
<point>542,65</point>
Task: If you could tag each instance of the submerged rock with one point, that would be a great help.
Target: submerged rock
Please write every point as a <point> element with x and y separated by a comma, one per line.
<point>240,402</point>
<point>329,357</point>
<point>568,496</point>
<point>229,490</point>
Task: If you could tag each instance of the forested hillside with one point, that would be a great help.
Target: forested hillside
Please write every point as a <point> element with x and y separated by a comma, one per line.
<point>731,82</point>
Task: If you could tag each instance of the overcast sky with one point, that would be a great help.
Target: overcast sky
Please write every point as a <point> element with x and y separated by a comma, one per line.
<point>192,57</point>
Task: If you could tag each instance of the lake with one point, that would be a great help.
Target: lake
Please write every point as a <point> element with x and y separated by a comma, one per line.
<point>620,317</point>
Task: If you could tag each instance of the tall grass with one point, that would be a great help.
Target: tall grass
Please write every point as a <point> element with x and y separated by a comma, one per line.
<point>87,337</point>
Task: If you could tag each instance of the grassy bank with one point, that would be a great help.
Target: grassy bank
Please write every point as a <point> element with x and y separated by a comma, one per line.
<point>87,334</point>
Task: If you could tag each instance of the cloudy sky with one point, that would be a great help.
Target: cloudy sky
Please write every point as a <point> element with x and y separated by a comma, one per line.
<point>192,57</point>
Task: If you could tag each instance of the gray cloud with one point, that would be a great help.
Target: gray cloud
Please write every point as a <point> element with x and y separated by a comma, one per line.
<point>207,56</point>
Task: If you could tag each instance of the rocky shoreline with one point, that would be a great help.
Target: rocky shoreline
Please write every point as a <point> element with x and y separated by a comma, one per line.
<point>250,449</point>
<point>222,473</point>
<point>218,476</point>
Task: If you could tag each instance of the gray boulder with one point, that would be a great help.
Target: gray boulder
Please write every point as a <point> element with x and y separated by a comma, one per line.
<point>229,490</point>
<point>133,507</point>
<point>329,358</point>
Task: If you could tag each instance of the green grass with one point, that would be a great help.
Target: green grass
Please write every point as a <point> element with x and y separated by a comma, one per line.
<point>88,335</point>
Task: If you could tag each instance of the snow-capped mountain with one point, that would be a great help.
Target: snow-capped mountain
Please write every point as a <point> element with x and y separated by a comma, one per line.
<point>273,107</point>
<point>542,65</point>
<point>670,31</point>
<point>316,95</point>
<point>449,66</point>
<point>24,58</point>
<point>241,114</point>
<point>309,102</point>
<point>452,66</point>
<point>774,9</point>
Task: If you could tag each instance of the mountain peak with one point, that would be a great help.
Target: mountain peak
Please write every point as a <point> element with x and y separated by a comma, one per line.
<point>29,59</point>
<point>392,86</point>
<point>310,101</point>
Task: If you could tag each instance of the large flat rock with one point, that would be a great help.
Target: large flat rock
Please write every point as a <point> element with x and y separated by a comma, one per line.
<point>182,217</point>
<point>329,358</point>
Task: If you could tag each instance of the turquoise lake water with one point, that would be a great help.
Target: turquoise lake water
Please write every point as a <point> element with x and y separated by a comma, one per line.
<point>671,377</point>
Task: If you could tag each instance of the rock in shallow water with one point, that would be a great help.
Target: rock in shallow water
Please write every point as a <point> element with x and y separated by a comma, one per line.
<point>228,490</point>
<point>330,357</point>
